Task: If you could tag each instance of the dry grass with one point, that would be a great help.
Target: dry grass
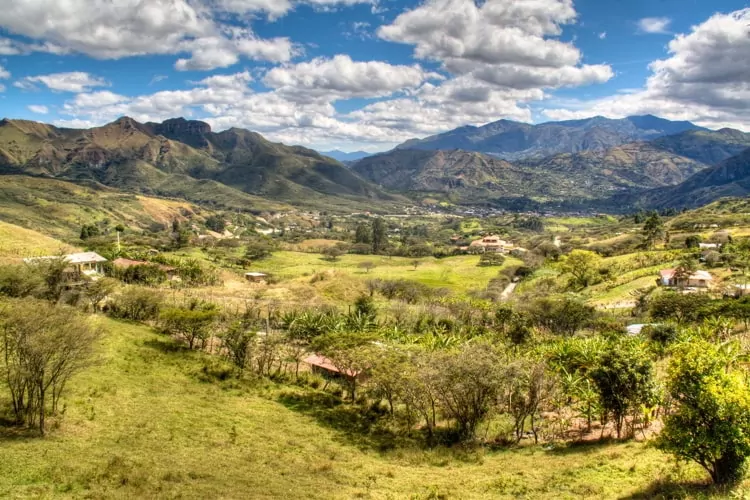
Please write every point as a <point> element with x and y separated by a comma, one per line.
<point>17,242</point>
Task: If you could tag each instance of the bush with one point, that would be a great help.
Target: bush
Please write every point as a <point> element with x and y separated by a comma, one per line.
<point>136,304</point>
<point>491,259</point>
<point>711,424</point>
<point>146,274</point>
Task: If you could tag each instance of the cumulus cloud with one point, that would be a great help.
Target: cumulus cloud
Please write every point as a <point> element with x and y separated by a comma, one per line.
<point>4,73</point>
<point>342,78</point>
<point>76,81</point>
<point>705,79</point>
<point>658,25</point>
<point>110,30</point>
<point>510,44</point>
<point>38,108</point>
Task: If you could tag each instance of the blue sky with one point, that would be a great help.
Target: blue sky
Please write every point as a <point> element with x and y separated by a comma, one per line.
<point>367,74</point>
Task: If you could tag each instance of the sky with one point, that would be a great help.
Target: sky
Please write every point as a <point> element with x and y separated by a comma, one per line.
<point>370,74</point>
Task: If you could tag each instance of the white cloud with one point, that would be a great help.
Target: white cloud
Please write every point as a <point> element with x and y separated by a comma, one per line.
<point>38,108</point>
<point>76,81</point>
<point>706,79</point>
<point>654,25</point>
<point>341,78</point>
<point>602,35</point>
<point>507,44</point>
<point>2,88</point>
<point>234,81</point>
<point>4,73</point>
<point>157,79</point>
<point>111,30</point>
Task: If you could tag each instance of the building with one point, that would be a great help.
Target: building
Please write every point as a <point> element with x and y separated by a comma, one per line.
<point>709,246</point>
<point>323,366</point>
<point>699,279</point>
<point>85,265</point>
<point>256,277</point>
<point>491,244</point>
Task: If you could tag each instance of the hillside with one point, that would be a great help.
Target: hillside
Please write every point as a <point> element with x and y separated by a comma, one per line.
<point>17,242</point>
<point>706,146</point>
<point>343,156</point>
<point>180,158</point>
<point>473,177</point>
<point>59,208</point>
<point>514,140</point>
<point>148,420</point>
<point>730,178</point>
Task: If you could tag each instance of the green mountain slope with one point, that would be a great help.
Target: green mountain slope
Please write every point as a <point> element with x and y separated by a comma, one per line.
<point>730,178</point>
<point>180,158</point>
<point>473,177</point>
<point>706,146</point>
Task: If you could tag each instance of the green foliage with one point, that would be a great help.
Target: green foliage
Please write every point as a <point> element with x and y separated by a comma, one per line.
<point>489,259</point>
<point>89,231</point>
<point>259,249</point>
<point>624,378</point>
<point>216,223</point>
<point>363,234</point>
<point>711,421</point>
<point>678,307</point>
<point>136,304</point>
<point>583,267</point>
<point>379,236</point>
<point>653,230</point>
<point>145,274</point>
<point>562,316</point>
<point>193,325</point>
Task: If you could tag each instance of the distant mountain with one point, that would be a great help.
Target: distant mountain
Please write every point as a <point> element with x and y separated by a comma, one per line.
<point>706,146</point>
<point>468,177</point>
<point>185,159</point>
<point>729,178</point>
<point>342,156</point>
<point>514,140</point>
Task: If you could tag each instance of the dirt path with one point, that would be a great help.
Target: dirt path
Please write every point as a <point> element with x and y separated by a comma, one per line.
<point>508,291</point>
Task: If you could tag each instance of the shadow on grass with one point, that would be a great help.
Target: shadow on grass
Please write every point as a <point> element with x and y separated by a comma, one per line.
<point>668,490</point>
<point>359,426</point>
<point>581,447</point>
<point>166,345</point>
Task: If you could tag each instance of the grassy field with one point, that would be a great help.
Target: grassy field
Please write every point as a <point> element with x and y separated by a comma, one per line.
<point>145,423</point>
<point>17,242</point>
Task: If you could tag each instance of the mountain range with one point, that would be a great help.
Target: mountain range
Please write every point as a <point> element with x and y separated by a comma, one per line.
<point>512,140</point>
<point>343,156</point>
<point>235,168</point>
<point>608,164</point>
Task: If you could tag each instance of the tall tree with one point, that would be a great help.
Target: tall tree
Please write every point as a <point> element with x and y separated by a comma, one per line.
<point>363,234</point>
<point>379,236</point>
<point>583,266</point>
<point>653,230</point>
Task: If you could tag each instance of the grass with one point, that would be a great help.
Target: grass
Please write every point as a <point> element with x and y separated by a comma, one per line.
<point>145,423</point>
<point>17,242</point>
<point>458,274</point>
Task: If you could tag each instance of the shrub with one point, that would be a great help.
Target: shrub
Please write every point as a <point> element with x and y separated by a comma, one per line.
<point>136,304</point>
<point>491,259</point>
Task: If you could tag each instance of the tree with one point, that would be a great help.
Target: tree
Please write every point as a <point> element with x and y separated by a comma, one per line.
<point>43,347</point>
<point>238,340</point>
<point>363,234</point>
<point>333,253</point>
<point>711,421</point>
<point>216,223</point>
<point>653,230</point>
<point>491,259</point>
<point>191,324</point>
<point>468,384</point>
<point>678,307</point>
<point>258,250</point>
<point>564,316</point>
<point>89,231</point>
<point>582,265</point>
<point>99,290</point>
<point>367,266</point>
<point>684,270</point>
<point>379,236</point>
<point>624,380</point>
<point>693,241</point>
<point>416,263</point>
